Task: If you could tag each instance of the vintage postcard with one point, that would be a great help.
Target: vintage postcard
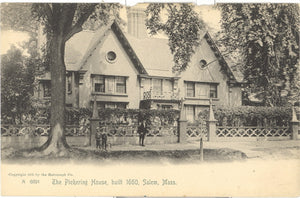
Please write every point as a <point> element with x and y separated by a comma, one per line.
<point>152,99</point>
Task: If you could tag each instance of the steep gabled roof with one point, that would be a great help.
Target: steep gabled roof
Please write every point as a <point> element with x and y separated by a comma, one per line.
<point>95,41</point>
<point>151,56</point>
<point>76,48</point>
<point>224,63</point>
<point>128,48</point>
<point>98,37</point>
<point>154,54</point>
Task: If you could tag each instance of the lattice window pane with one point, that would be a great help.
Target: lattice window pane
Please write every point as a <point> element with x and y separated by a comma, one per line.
<point>213,91</point>
<point>99,84</point>
<point>190,113</point>
<point>121,84</point>
<point>190,89</point>
<point>157,86</point>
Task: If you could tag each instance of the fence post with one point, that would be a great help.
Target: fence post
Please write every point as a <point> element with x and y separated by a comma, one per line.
<point>182,130</point>
<point>182,124</point>
<point>201,149</point>
<point>94,123</point>
<point>294,125</point>
<point>212,124</point>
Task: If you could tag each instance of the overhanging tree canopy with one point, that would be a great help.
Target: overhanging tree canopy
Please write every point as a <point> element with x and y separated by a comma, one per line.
<point>60,21</point>
<point>267,35</point>
<point>181,24</point>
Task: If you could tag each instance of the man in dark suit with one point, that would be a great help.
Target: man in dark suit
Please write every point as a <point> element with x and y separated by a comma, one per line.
<point>142,130</point>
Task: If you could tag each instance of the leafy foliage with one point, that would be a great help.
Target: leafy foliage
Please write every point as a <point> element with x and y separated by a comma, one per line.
<point>251,116</point>
<point>182,27</point>
<point>17,79</point>
<point>18,16</point>
<point>74,116</point>
<point>60,21</point>
<point>267,37</point>
<point>125,116</point>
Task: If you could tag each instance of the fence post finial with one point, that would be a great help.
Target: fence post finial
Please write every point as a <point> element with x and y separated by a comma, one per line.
<point>182,123</point>
<point>211,112</point>
<point>211,122</point>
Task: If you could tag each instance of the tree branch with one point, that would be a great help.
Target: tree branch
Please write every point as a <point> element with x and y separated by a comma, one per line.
<point>74,30</point>
<point>82,18</point>
<point>48,11</point>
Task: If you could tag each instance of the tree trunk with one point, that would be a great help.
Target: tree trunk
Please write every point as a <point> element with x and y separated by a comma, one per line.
<point>56,143</point>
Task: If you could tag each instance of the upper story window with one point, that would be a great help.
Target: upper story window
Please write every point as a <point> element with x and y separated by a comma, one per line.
<point>190,89</point>
<point>157,86</point>
<point>201,90</point>
<point>121,84</point>
<point>109,84</point>
<point>99,84</point>
<point>213,91</point>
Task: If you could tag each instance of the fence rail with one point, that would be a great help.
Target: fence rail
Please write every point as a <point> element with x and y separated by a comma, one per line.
<point>256,132</point>
<point>197,131</point>
<point>41,130</point>
<point>117,130</point>
<point>131,130</point>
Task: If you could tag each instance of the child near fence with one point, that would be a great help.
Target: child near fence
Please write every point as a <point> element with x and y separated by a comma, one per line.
<point>104,139</point>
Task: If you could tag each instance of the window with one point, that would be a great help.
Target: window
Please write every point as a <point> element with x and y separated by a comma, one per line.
<point>213,91</point>
<point>202,64</point>
<point>121,84</point>
<point>111,105</point>
<point>190,113</point>
<point>157,86</point>
<point>121,105</point>
<point>190,89</point>
<point>111,56</point>
<point>109,84</point>
<point>201,90</point>
<point>166,107</point>
<point>99,84</point>
<point>47,88</point>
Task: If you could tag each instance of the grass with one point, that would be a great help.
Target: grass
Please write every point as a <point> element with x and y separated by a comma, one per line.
<point>85,154</point>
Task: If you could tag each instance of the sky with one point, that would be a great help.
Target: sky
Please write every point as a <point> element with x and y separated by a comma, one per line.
<point>11,37</point>
<point>210,15</point>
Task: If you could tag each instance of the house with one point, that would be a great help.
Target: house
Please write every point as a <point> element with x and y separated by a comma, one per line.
<point>132,70</point>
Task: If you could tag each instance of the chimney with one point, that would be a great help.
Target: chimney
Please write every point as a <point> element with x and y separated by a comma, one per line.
<point>136,22</point>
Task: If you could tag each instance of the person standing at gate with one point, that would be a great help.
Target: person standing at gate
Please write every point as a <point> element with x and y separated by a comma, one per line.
<point>142,131</point>
<point>104,140</point>
<point>98,138</point>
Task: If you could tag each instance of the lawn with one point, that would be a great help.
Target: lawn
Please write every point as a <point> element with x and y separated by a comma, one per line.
<point>86,154</point>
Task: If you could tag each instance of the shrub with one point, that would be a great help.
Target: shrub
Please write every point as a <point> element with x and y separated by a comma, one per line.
<point>133,116</point>
<point>75,116</point>
<point>251,116</point>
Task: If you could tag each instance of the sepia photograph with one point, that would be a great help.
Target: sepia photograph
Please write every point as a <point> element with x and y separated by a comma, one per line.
<point>155,99</point>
